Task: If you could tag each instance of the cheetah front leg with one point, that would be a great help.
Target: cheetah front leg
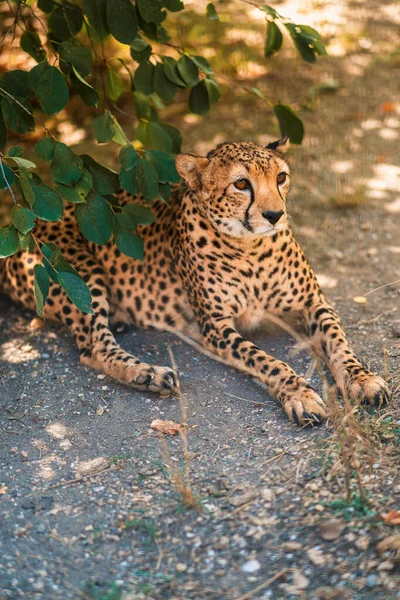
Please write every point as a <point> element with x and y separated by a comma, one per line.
<point>299,400</point>
<point>352,378</point>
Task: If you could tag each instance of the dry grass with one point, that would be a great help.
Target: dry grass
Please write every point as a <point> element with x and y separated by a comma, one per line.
<point>180,477</point>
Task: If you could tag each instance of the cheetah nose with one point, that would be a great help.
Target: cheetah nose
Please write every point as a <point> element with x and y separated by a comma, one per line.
<point>273,216</point>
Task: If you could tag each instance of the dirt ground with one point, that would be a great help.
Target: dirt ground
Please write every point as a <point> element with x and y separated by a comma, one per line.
<point>89,508</point>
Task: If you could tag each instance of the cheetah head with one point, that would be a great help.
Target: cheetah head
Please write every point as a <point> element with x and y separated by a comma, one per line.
<point>240,187</point>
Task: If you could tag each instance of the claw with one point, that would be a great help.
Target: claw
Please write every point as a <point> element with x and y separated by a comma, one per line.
<point>295,417</point>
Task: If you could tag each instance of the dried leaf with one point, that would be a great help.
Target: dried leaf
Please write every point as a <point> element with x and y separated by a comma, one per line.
<point>331,529</point>
<point>166,427</point>
<point>244,498</point>
<point>392,542</point>
<point>100,411</point>
<point>3,488</point>
<point>392,517</point>
<point>316,556</point>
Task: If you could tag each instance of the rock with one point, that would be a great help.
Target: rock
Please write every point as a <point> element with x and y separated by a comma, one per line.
<point>300,581</point>
<point>386,565</point>
<point>331,529</point>
<point>267,494</point>
<point>372,580</point>
<point>251,566</point>
<point>181,567</point>
<point>362,542</point>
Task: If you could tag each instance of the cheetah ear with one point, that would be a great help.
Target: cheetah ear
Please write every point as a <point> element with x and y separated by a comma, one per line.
<point>281,145</point>
<point>191,167</point>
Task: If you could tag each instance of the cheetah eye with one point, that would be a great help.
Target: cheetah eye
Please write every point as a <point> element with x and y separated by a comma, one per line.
<point>242,184</point>
<point>281,178</point>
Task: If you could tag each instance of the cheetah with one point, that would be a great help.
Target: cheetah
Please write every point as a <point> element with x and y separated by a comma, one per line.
<point>220,259</point>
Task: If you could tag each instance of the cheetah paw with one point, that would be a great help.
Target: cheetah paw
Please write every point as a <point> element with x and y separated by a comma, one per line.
<point>369,389</point>
<point>162,380</point>
<point>303,406</point>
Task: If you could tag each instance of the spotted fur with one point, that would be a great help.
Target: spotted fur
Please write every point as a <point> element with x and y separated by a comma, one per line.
<point>219,260</point>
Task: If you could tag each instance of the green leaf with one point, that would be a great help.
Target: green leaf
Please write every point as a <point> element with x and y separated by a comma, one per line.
<point>153,134</point>
<point>128,181</point>
<point>41,287</point>
<point>270,11</point>
<point>16,83</point>
<point>273,40</point>
<point>95,10</point>
<point>6,176</point>
<point>114,85</point>
<point>52,91</point>
<point>66,167</point>
<point>213,89</point>
<point>307,41</point>
<point>105,181</point>
<point>103,128</point>
<point>16,151</point>
<point>203,64</point>
<point>289,123</point>
<point>122,20</point>
<point>95,218</point>
<point>44,149</point>
<point>35,74</point>
<point>147,179</point>
<point>143,79</point>
<point>163,87</point>
<point>165,192</point>
<point>119,137</point>
<point>140,215</point>
<point>16,116</point>
<point>175,136</point>
<point>211,13</point>
<point>151,11</point>
<point>45,5</point>
<point>199,102</point>
<point>173,5</point>
<point>22,218</point>
<point>164,165</point>
<point>27,242</point>
<point>76,55</point>
<point>9,243</point>
<point>65,22</point>
<point>76,290</point>
<point>128,157</point>
<point>30,43</point>
<point>48,203</point>
<point>128,242</point>
<point>171,72</point>
<point>187,70</point>
<point>79,191</point>
<point>3,131</point>
<point>26,188</point>
<point>23,162</point>
<point>87,93</point>
<point>49,250</point>
<point>140,49</point>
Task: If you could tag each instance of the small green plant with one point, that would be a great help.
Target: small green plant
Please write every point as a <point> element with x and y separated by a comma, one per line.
<point>357,507</point>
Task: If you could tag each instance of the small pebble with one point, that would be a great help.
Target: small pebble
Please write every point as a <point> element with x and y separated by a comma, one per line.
<point>251,566</point>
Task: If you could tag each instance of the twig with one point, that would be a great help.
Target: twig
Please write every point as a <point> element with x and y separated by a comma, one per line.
<point>5,179</point>
<point>271,459</point>
<point>71,481</point>
<point>381,287</point>
<point>264,585</point>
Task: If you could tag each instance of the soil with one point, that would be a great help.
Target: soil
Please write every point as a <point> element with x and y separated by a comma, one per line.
<point>90,504</point>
